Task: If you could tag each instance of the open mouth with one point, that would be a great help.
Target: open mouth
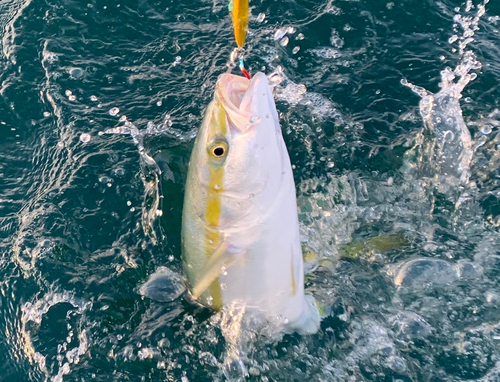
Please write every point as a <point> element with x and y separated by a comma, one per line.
<point>232,89</point>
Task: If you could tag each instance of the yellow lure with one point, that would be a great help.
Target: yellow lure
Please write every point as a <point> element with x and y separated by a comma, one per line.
<point>240,21</point>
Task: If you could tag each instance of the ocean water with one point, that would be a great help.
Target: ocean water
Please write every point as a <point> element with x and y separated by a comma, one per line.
<point>391,114</point>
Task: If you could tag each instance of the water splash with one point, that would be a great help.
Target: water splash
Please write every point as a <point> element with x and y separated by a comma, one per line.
<point>153,195</point>
<point>71,349</point>
<point>449,150</point>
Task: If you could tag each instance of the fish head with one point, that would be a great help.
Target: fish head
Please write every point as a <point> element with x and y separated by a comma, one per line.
<point>240,139</point>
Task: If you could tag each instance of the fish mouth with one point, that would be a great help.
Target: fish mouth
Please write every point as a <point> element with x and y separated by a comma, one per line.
<point>242,98</point>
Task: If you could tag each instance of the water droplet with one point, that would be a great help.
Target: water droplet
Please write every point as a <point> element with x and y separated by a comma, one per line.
<point>291,30</point>
<point>158,103</point>
<point>119,337</point>
<point>261,17</point>
<point>296,50</point>
<point>93,98</point>
<point>278,35</point>
<point>254,119</point>
<point>275,77</point>
<point>223,286</point>
<point>217,186</point>
<point>109,184</point>
<point>284,41</point>
<point>448,135</point>
<point>85,137</point>
<point>330,164</point>
<point>129,203</point>
<point>492,298</point>
<point>72,98</point>
<point>132,209</point>
<point>114,111</point>
<point>223,270</point>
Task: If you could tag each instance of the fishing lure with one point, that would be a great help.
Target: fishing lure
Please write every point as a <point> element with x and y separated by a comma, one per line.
<point>239,9</point>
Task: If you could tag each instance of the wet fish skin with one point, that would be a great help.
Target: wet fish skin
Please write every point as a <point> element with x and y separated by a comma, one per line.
<point>240,228</point>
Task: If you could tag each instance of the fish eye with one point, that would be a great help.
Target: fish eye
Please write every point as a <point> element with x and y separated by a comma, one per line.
<point>218,149</point>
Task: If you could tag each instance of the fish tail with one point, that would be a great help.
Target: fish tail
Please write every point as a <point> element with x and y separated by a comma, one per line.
<point>309,320</point>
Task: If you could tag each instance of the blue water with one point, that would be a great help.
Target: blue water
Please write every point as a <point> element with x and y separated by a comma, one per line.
<point>406,261</point>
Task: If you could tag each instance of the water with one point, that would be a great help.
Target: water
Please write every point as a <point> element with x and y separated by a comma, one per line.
<point>401,244</point>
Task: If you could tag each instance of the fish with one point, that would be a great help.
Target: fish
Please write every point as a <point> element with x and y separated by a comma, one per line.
<point>240,229</point>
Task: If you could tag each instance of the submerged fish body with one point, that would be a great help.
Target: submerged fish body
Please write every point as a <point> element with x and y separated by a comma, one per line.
<point>240,227</point>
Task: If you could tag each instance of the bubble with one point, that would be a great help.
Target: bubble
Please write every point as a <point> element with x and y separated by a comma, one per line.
<point>177,60</point>
<point>123,118</point>
<point>296,50</point>
<point>284,41</point>
<point>114,111</point>
<point>105,180</point>
<point>492,298</point>
<point>68,93</point>
<point>76,73</point>
<point>129,203</point>
<point>120,171</point>
<point>72,98</point>
<point>486,129</point>
<point>85,137</point>
<point>260,18</point>
<point>93,98</point>
<point>46,114</point>
<point>209,300</point>
<point>223,286</point>
<point>300,36</point>
<point>159,212</point>
<point>425,271</point>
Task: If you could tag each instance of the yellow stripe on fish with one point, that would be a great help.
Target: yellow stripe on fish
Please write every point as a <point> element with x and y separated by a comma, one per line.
<point>215,188</point>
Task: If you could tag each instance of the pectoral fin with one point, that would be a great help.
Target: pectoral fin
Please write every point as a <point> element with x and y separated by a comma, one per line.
<point>222,256</point>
